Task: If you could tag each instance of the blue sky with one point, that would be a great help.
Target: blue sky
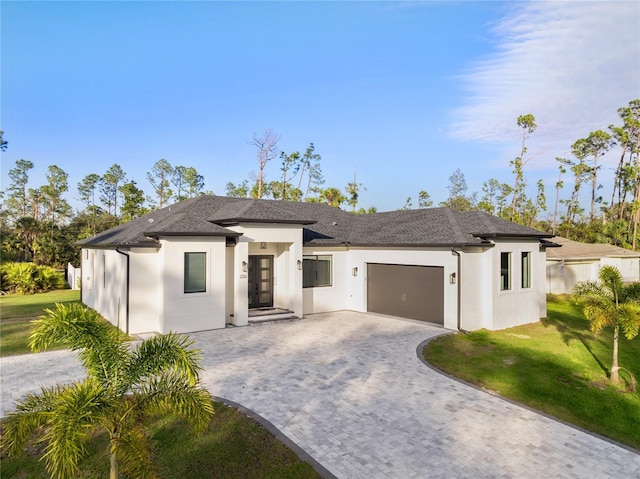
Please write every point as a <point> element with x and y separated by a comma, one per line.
<point>402,92</point>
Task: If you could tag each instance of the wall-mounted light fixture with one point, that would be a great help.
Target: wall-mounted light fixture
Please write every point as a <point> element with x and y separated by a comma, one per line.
<point>354,271</point>
<point>452,278</point>
<point>299,264</point>
<point>244,266</point>
<point>263,245</point>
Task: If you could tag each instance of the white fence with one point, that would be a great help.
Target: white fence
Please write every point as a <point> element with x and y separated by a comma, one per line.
<point>73,276</point>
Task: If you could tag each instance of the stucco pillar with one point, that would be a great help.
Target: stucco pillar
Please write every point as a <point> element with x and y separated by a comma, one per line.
<point>240,284</point>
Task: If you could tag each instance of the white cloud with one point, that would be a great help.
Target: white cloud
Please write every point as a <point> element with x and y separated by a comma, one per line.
<point>571,64</point>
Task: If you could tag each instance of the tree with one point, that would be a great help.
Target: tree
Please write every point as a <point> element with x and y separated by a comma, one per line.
<point>187,182</point>
<point>87,192</point>
<point>17,201</point>
<point>332,197</point>
<point>238,191</point>
<point>594,146</point>
<point>159,177</point>
<point>3,142</point>
<point>267,146</point>
<point>56,186</point>
<point>609,302</point>
<point>353,192</point>
<point>109,185</point>
<point>559,184</point>
<point>124,386</point>
<point>132,202</point>
<point>528,125</point>
<point>424,200</point>
<point>290,164</point>
<point>457,193</point>
<point>194,181</point>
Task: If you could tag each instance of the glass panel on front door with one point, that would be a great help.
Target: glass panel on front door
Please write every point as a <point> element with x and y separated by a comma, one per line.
<point>260,281</point>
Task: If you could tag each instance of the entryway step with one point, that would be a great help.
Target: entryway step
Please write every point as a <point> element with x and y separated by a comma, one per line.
<point>272,319</point>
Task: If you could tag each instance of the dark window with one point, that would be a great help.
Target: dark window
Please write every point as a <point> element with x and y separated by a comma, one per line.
<point>316,271</point>
<point>505,271</point>
<point>195,272</point>
<point>526,269</point>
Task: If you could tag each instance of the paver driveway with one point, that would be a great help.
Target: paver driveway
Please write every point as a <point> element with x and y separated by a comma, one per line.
<point>350,390</point>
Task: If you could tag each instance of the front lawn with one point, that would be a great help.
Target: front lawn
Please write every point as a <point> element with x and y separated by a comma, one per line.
<point>234,447</point>
<point>17,313</point>
<point>556,366</point>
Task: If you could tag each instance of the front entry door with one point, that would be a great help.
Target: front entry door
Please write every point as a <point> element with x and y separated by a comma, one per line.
<point>260,281</point>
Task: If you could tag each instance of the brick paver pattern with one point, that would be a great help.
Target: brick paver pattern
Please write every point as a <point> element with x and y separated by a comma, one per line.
<point>349,389</point>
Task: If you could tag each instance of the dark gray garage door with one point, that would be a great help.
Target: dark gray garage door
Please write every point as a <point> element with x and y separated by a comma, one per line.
<point>415,292</point>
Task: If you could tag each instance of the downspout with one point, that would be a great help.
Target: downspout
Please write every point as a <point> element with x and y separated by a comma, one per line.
<point>126,314</point>
<point>457,253</point>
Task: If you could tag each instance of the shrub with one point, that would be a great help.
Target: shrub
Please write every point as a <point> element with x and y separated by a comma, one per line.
<point>28,278</point>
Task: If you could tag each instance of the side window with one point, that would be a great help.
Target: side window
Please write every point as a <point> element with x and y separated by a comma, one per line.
<point>526,269</point>
<point>195,272</point>
<point>505,271</point>
<point>316,271</point>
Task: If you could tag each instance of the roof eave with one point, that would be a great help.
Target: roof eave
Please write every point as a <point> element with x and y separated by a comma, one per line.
<point>159,234</point>
<point>237,221</point>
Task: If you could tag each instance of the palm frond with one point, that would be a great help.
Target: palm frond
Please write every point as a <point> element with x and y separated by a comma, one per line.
<point>630,319</point>
<point>134,454</point>
<point>78,409</point>
<point>33,412</point>
<point>101,347</point>
<point>170,394</point>
<point>169,352</point>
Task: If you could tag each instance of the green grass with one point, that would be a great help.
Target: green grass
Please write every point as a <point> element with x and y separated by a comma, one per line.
<point>556,366</point>
<point>17,313</point>
<point>233,447</point>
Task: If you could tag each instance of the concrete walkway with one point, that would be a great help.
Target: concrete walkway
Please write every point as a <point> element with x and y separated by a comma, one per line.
<point>349,389</point>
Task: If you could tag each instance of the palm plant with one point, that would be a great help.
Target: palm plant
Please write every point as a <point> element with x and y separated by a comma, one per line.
<point>610,302</point>
<point>124,386</point>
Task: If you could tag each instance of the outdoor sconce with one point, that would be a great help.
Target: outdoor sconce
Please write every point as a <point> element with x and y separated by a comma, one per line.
<point>299,264</point>
<point>452,278</point>
<point>354,271</point>
<point>244,266</point>
<point>263,245</point>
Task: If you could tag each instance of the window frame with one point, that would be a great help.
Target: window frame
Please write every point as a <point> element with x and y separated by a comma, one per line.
<point>506,273</point>
<point>525,267</point>
<point>306,258</point>
<point>185,277</point>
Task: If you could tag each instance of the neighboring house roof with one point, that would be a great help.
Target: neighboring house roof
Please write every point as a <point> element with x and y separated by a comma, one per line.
<point>573,250</point>
<point>322,224</point>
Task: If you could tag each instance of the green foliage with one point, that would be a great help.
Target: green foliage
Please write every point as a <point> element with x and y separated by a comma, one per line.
<point>28,278</point>
<point>124,387</point>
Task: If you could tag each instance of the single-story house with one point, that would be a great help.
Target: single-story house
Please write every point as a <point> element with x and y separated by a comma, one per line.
<point>575,262</point>
<point>211,261</point>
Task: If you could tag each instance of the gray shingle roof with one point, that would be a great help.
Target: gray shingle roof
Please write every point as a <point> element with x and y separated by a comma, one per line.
<point>573,250</point>
<point>323,225</point>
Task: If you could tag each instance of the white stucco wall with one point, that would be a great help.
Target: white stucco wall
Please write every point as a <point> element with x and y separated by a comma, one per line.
<point>518,305</point>
<point>104,283</point>
<point>145,291</point>
<point>337,296</point>
<point>562,276</point>
<point>476,289</point>
<point>629,267</point>
<point>186,312</point>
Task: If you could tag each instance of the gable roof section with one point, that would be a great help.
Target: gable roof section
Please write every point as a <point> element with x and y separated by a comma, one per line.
<point>574,250</point>
<point>256,211</point>
<point>322,224</point>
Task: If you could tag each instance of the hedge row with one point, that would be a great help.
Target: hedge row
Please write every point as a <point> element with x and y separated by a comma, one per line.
<point>27,278</point>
